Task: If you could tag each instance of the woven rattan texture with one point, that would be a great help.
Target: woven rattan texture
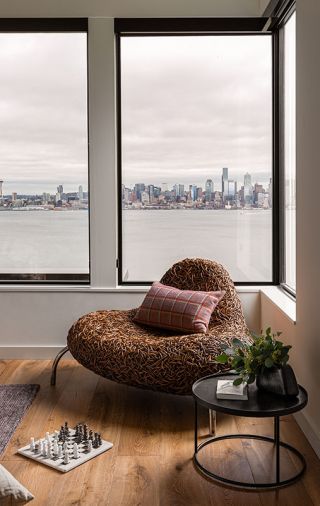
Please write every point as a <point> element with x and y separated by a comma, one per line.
<point>113,346</point>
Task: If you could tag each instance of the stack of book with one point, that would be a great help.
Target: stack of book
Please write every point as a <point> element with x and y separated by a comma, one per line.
<point>228,391</point>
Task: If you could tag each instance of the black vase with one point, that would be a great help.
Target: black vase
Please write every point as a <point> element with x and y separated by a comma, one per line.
<point>278,380</point>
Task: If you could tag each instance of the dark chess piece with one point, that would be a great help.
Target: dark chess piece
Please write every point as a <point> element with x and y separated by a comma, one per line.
<point>61,434</point>
<point>99,440</point>
<point>91,435</point>
<point>95,442</point>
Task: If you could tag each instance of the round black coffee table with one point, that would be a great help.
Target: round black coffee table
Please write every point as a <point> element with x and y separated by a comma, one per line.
<point>259,405</point>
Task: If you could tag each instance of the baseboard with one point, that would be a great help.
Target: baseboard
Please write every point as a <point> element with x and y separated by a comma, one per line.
<point>31,352</point>
<point>309,431</point>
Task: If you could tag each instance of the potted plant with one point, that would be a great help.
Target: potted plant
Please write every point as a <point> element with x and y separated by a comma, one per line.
<point>264,360</point>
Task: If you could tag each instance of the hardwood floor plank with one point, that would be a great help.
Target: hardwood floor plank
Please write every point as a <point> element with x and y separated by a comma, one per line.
<point>136,482</point>
<point>261,457</point>
<point>140,433</point>
<point>151,461</point>
<point>106,413</point>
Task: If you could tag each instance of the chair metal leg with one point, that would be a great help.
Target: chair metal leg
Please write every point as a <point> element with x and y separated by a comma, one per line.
<point>212,422</point>
<point>55,364</point>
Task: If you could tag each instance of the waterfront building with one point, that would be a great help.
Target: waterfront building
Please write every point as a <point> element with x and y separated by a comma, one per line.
<point>209,187</point>
<point>224,182</point>
<point>139,188</point>
<point>247,189</point>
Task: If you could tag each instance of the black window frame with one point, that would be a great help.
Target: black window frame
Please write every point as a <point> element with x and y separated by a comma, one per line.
<point>284,12</point>
<point>51,25</point>
<point>130,27</point>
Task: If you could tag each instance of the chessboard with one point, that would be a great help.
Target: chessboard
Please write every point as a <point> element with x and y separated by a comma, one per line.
<point>66,449</point>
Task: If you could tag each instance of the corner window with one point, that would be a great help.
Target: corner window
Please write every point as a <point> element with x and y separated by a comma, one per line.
<point>196,153</point>
<point>44,199</point>
<point>290,153</point>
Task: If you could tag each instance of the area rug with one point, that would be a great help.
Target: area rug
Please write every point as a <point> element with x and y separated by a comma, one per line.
<point>14,402</point>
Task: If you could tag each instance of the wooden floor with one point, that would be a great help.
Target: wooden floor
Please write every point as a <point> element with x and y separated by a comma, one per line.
<point>151,462</point>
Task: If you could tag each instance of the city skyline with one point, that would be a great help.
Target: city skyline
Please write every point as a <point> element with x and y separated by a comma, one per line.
<point>9,187</point>
<point>60,199</point>
<point>229,195</point>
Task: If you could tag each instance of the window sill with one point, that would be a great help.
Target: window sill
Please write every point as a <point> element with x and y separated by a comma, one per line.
<point>92,289</point>
<point>281,300</point>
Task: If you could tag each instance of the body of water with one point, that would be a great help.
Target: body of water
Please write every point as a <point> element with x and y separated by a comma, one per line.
<point>241,240</point>
<point>58,242</point>
<point>44,242</point>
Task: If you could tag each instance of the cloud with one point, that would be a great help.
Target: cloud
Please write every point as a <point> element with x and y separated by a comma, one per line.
<point>43,111</point>
<point>192,105</point>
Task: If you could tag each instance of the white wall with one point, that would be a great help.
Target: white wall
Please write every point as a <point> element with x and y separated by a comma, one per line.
<point>128,8</point>
<point>305,335</point>
<point>35,324</point>
<point>263,5</point>
<point>307,339</point>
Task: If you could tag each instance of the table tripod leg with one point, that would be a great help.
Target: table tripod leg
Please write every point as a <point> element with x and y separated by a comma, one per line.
<point>195,427</point>
<point>212,422</point>
<point>277,443</point>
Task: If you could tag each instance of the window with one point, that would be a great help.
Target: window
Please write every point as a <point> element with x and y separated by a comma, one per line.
<point>44,153</point>
<point>196,153</point>
<point>290,153</point>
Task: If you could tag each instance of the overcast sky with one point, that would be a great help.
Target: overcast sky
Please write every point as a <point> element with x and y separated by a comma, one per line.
<point>43,112</point>
<point>192,105</point>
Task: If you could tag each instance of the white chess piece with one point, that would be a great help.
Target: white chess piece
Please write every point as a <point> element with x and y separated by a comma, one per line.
<point>32,444</point>
<point>65,447</point>
<point>66,458</point>
<point>44,449</point>
<point>48,452</point>
<point>89,446</point>
<point>55,448</point>
<point>60,454</point>
<point>75,451</point>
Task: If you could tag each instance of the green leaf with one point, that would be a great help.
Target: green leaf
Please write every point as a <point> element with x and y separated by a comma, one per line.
<point>222,359</point>
<point>251,378</point>
<point>237,342</point>
<point>268,362</point>
<point>237,381</point>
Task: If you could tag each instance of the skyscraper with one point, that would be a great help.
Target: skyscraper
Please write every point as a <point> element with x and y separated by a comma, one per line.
<point>232,188</point>
<point>193,192</point>
<point>80,192</point>
<point>138,189</point>
<point>209,187</point>
<point>224,182</point>
<point>247,188</point>
<point>179,189</point>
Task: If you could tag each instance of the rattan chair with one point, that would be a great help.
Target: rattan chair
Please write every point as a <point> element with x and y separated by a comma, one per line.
<point>112,345</point>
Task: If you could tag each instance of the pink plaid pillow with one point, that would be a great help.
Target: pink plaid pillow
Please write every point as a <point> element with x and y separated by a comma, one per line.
<point>184,310</point>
